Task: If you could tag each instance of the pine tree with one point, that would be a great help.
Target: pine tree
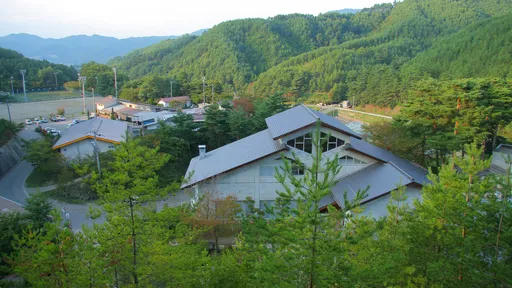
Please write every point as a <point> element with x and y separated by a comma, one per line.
<point>299,246</point>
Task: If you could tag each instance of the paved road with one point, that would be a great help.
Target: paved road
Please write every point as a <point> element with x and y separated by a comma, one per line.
<point>12,188</point>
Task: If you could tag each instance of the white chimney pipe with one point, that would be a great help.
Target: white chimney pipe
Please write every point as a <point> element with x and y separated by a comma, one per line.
<point>202,151</point>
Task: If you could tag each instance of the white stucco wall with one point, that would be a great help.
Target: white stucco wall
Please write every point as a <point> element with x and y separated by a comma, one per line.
<point>248,181</point>
<point>379,207</point>
<point>84,148</point>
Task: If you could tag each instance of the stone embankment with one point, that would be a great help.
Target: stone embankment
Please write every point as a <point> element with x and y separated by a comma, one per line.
<point>10,154</point>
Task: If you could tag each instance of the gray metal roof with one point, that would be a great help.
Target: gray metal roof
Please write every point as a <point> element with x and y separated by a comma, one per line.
<point>231,156</point>
<point>416,172</point>
<point>381,178</point>
<point>299,117</point>
<point>111,130</point>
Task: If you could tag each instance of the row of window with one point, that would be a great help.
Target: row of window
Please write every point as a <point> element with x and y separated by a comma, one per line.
<point>305,142</point>
<point>298,169</point>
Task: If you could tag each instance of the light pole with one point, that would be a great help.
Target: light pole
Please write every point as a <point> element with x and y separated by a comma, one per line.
<point>171,88</point>
<point>56,85</point>
<point>204,97</point>
<point>115,80</point>
<point>95,145</point>
<point>23,76</point>
<point>212,94</point>
<point>12,86</point>
<point>93,103</point>
<point>83,79</point>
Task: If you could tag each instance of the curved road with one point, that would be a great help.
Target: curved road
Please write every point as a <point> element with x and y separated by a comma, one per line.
<point>12,187</point>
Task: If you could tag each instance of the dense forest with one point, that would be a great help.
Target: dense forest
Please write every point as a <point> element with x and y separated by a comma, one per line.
<point>39,74</point>
<point>373,56</point>
<point>235,52</point>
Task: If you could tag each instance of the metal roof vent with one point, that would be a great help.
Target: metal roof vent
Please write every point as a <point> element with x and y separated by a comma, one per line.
<point>202,151</point>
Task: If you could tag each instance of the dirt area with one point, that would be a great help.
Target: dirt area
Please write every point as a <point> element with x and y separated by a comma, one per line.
<point>21,111</point>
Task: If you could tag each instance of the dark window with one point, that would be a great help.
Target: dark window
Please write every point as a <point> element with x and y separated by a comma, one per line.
<point>305,142</point>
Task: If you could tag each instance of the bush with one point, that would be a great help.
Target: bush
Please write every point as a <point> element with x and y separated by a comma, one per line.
<point>8,129</point>
<point>61,111</point>
<point>38,129</point>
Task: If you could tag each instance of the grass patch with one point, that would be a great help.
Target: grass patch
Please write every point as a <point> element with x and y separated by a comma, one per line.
<point>38,179</point>
<point>47,96</point>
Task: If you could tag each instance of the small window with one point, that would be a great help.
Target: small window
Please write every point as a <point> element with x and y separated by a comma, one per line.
<point>350,161</point>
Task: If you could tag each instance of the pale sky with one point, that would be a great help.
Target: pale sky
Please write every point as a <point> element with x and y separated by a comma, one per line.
<point>131,18</point>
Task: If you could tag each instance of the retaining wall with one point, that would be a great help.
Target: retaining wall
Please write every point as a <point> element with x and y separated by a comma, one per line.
<point>10,155</point>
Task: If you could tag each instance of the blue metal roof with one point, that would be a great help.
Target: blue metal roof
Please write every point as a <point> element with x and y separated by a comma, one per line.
<point>381,178</point>
<point>299,117</point>
<point>232,156</point>
<point>416,172</point>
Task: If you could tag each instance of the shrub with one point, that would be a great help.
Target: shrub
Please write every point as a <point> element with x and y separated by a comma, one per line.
<point>61,111</point>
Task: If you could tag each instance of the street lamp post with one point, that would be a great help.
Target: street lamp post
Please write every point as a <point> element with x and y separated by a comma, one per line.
<point>204,96</point>
<point>93,104</point>
<point>12,86</point>
<point>83,79</point>
<point>115,80</point>
<point>56,83</point>
<point>24,90</point>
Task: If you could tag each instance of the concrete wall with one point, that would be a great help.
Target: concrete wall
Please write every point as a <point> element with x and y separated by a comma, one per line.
<point>84,148</point>
<point>10,154</point>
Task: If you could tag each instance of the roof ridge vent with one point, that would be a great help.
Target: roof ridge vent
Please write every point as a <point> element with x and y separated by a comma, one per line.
<point>310,112</point>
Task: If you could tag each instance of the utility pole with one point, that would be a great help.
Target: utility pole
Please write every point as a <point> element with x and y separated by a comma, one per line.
<point>93,103</point>
<point>115,80</point>
<point>12,86</point>
<point>56,85</point>
<point>204,96</point>
<point>95,145</point>
<point>24,90</point>
<point>8,109</point>
<point>212,94</point>
<point>171,88</point>
<point>83,79</point>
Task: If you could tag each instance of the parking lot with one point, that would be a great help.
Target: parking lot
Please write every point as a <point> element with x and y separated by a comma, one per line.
<point>22,111</point>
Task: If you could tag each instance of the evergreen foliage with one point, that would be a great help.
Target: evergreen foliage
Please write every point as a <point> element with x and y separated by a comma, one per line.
<point>39,74</point>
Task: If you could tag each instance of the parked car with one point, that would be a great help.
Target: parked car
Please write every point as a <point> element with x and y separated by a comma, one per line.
<point>54,119</point>
<point>48,130</point>
<point>37,121</point>
<point>76,121</point>
<point>28,122</point>
<point>55,132</point>
<point>44,120</point>
<point>60,117</point>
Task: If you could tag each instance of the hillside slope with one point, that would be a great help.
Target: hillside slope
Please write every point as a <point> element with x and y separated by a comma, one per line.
<point>368,69</point>
<point>483,49</point>
<point>38,73</point>
<point>239,50</point>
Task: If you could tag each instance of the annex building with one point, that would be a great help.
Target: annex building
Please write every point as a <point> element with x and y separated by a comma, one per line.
<point>246,168</point>
<point>77,140</point>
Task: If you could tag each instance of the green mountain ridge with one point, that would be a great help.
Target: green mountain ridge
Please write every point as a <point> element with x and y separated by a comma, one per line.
<point>239,50</point>
<point>369,56</point>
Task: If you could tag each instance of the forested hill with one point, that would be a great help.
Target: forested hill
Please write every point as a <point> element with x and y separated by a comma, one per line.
<point>38,73</point>
<point>370,69</point>
<point>373,56</point>
<point>239,50</point>
<point>481,50</point>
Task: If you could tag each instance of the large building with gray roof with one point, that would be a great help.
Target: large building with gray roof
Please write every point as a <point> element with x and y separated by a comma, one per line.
<point>246,168</point>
